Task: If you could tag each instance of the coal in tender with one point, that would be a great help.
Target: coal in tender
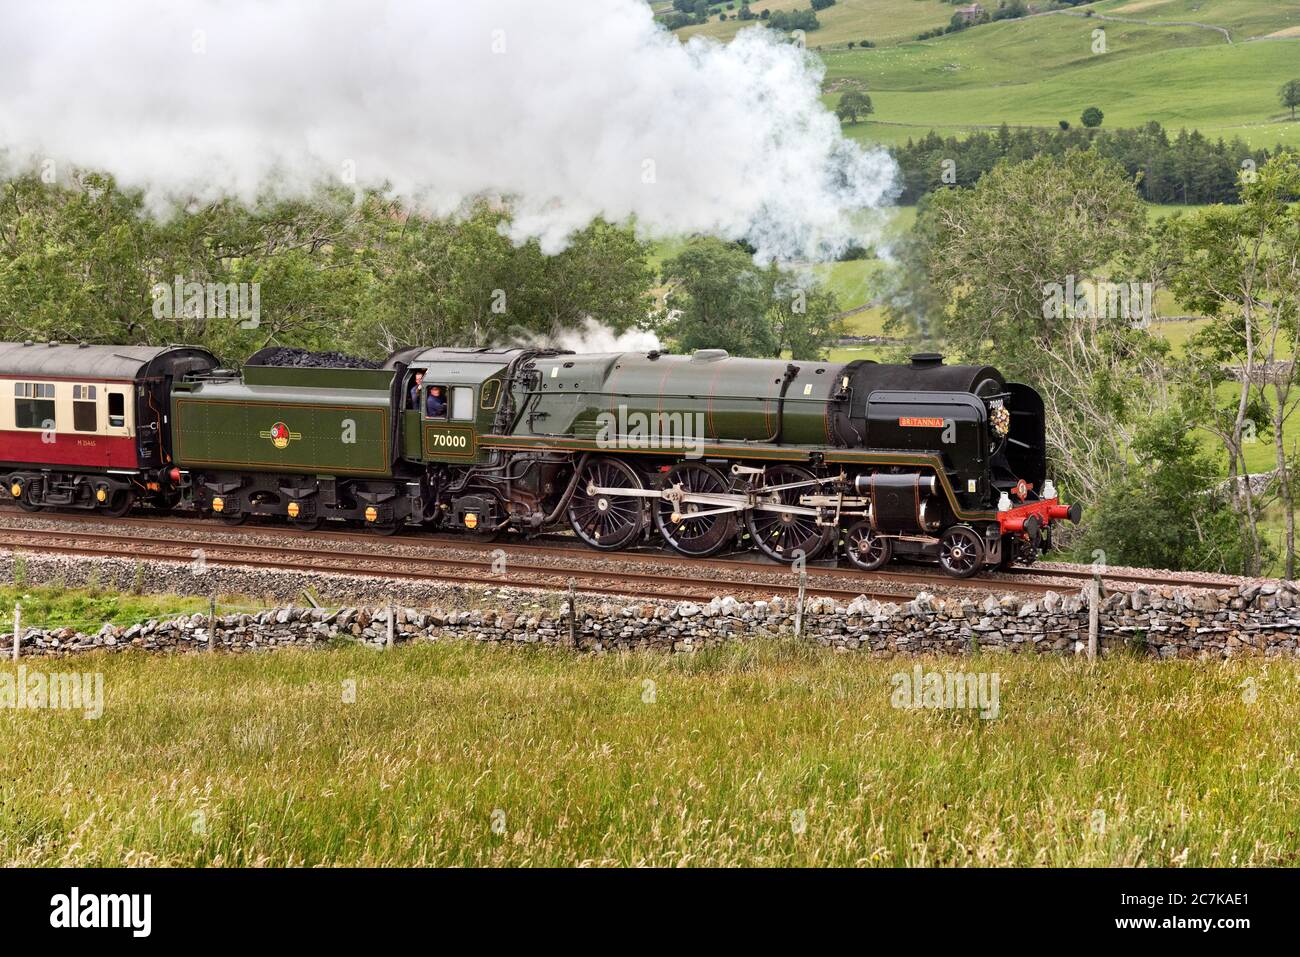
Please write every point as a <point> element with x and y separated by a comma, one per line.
<point>306,359</point>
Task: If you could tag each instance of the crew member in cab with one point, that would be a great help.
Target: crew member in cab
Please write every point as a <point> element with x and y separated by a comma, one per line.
<point>436,406</point>
<point>413,397</point>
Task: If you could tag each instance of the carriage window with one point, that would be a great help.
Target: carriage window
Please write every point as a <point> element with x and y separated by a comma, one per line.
<point>85,410</point>
<point>34,405</point>
<point>116,410</point>
<point>462,403</point>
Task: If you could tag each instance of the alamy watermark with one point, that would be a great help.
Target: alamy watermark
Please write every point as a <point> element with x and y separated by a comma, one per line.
<point>25,690</point>
<point>948,690</point>
<point>209,300</point>
<point>683,431</point>
<point>1099,299</point>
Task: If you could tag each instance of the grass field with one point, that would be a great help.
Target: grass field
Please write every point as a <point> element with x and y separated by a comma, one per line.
<point>755,754</point>
<point>881,21</point>
<point>47,606</point>
<point>1038,70</point>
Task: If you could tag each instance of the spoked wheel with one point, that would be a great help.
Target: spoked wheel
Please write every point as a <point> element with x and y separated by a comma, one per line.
<point>961,552</point>
<point>785,536</point>
<point>687,531</point>
<point>119,503</point>
<point>865,548</point>
<point>606,520</point>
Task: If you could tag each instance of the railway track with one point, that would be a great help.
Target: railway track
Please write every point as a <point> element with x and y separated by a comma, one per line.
<point>459,570</point>
<point>688,578</point>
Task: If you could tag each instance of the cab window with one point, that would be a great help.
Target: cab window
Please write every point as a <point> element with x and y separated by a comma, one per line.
<point>435,402</point>
<point>462,403</point>
<point>413,389</point>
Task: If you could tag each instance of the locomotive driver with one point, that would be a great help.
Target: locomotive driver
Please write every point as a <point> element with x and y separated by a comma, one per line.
<point>436,407</point>
<point>413,398</point>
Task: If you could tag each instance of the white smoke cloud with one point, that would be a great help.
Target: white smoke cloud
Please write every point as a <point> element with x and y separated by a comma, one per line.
<point>574,110</point>
<point>592,338</point>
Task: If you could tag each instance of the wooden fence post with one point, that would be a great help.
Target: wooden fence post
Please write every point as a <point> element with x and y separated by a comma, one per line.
<point>18,628</point>
<point>573,615</point>
<point>391,623</point>
<point>798,610</point>
<point>1094,614</point>
<point>212,624</point>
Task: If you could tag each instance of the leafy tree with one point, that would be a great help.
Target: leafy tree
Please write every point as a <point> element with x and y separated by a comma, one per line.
<point>1290,95</point>
<point>979,271</point>
<point>1241,267</point>
<point>717,299</point>
<point>80,260</point>
<point>1165,510</point>
<point>854,103</point>
<point>1091,117</point>
<point>804,316</point>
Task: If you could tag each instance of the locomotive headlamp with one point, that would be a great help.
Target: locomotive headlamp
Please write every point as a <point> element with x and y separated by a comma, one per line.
<point>1049,489</point>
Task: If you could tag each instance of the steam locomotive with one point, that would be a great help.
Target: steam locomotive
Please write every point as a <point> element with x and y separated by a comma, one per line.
<point>705,452</point>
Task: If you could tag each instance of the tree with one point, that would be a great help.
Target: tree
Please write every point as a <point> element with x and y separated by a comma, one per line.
<point>81,259</point>
<point>717,299</point>
<point>1290,95</point>
<point>854,103</point>
<point>1164,510</point>
<point>1064,124</point>
<point>1092,117</point>
<point>804,316</point>
<point>1241,267</point>
<point>981,269</point>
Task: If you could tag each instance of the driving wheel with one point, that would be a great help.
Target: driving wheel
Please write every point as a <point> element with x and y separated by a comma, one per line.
<point>785,536</point>
<point>695,528</point>
<point>605,519</point>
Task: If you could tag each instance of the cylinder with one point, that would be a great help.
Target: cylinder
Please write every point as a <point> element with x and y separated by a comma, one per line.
<point>900,503</point>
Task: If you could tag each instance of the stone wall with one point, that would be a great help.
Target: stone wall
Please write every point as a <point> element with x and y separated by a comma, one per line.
<point>1166,623</point>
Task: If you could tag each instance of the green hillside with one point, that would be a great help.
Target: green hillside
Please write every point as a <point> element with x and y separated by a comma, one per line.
<point>1221,76</point>
<point>880,21</point>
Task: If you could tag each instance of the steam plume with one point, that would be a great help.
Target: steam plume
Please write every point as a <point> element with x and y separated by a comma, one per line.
<point>571,110</point>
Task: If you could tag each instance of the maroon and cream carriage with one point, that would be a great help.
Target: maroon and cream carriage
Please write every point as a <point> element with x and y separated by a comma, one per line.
<point>85,426</point>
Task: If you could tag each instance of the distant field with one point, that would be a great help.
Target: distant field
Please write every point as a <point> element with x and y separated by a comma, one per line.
<point>1038,70</point>
<point>880,21</point>
<point>757,754</point>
